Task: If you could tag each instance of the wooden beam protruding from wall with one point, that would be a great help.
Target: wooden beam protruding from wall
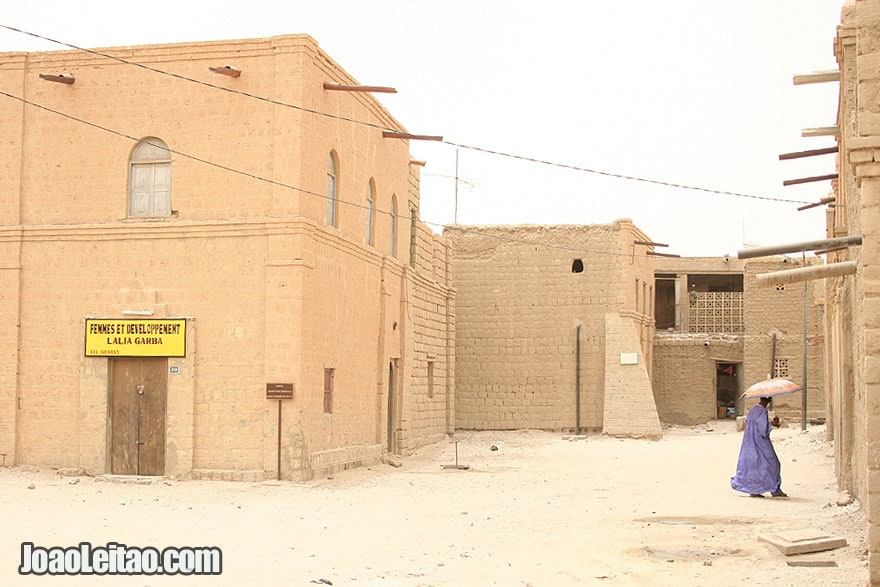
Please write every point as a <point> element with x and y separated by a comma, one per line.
<point>61,78</point>
<point>390,134</point>
<point>229,70</point>
<point>809,179</point>
<point>810,153</point>
<point>346,88</point>
<point>822,201</point>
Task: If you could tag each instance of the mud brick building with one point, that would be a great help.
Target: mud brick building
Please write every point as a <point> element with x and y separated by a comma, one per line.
<point>718,332</point>
<point>852,319</point>
<point>554,328</point>
<point>174,256</point>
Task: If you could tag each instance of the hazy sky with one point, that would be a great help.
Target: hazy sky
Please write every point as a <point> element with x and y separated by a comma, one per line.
<point>690,92</point>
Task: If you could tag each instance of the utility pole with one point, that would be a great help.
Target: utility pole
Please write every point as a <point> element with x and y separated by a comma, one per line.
<point>455,215</point>
<point>804,376</point>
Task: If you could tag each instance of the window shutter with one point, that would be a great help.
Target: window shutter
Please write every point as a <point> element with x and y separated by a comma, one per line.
<point>141,188</point>
<point>161,189</point>
<point>149,189</point>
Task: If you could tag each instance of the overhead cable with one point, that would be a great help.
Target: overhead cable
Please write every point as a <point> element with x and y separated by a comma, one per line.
<point>582,169</point>
<point>288,186</point>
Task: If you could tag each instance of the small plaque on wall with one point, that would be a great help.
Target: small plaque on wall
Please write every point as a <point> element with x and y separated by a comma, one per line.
<point>629,358</point>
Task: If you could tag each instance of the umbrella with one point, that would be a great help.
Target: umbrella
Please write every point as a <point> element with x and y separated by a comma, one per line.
<point>771,387</point>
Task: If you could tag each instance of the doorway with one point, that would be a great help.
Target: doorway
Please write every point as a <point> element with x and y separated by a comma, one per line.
<point>727,389</point>
<point>392,405</point>
<point>137,401</point>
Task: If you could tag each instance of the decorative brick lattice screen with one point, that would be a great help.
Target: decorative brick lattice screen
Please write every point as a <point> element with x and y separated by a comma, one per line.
<point>716,312</point>
<point>780,368</point>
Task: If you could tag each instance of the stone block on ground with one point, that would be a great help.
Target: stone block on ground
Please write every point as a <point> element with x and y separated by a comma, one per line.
<point>802,541</point>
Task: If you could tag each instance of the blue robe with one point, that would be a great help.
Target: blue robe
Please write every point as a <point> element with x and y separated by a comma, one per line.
<point>758,469</point>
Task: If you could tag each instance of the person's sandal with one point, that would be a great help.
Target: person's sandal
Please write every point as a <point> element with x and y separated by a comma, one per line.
<point>779,493</point>
<point>755,495</point>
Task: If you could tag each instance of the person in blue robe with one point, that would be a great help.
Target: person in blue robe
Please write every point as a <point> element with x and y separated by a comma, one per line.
<point>758,468</point>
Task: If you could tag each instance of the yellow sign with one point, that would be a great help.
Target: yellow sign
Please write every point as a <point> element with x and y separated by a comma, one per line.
<point>109,337</point>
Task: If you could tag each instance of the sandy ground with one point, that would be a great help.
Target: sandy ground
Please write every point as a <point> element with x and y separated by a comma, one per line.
<point>543,509</point>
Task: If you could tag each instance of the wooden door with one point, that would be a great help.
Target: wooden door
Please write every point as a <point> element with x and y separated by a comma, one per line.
<point>138,395</point>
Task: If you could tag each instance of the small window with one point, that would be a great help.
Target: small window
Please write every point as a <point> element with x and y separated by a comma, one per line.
<point>393,244</point>
<point>430,379</point>
<point>577,266</point>
<point>330,217</point>
<point>780,368</point>
<point>371,212</point>
<point>328,390</point>
<point>149,181</point>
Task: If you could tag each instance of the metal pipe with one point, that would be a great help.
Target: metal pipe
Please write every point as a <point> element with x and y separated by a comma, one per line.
<point>798,247</point>
<point>772,371</point>
<point>279,440</point>
<point>773,356</point>
<point>822,131</point>
<point>817,77</point>
<point>577,379</point>
<point>804,382</point>
<point>806,273</point>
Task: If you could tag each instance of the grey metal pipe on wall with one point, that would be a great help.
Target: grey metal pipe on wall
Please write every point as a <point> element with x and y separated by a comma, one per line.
<point>772,371</point>
<point>577,379</point>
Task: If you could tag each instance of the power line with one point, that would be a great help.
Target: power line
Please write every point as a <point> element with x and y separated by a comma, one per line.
<point>622,176</point>
<point>181,153</point>
<point>380,127</point>
<point>200,82</point>
<point>285,185</point>
<point>466,182</point>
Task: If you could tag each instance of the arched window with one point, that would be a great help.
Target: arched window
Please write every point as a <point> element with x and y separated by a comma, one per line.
<point>149,180</point>
<point>371,212</point>
<point>393,226</point>
<point>330,216</point>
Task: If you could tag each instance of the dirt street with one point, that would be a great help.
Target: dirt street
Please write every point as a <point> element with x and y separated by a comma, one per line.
<point>542,509</point>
